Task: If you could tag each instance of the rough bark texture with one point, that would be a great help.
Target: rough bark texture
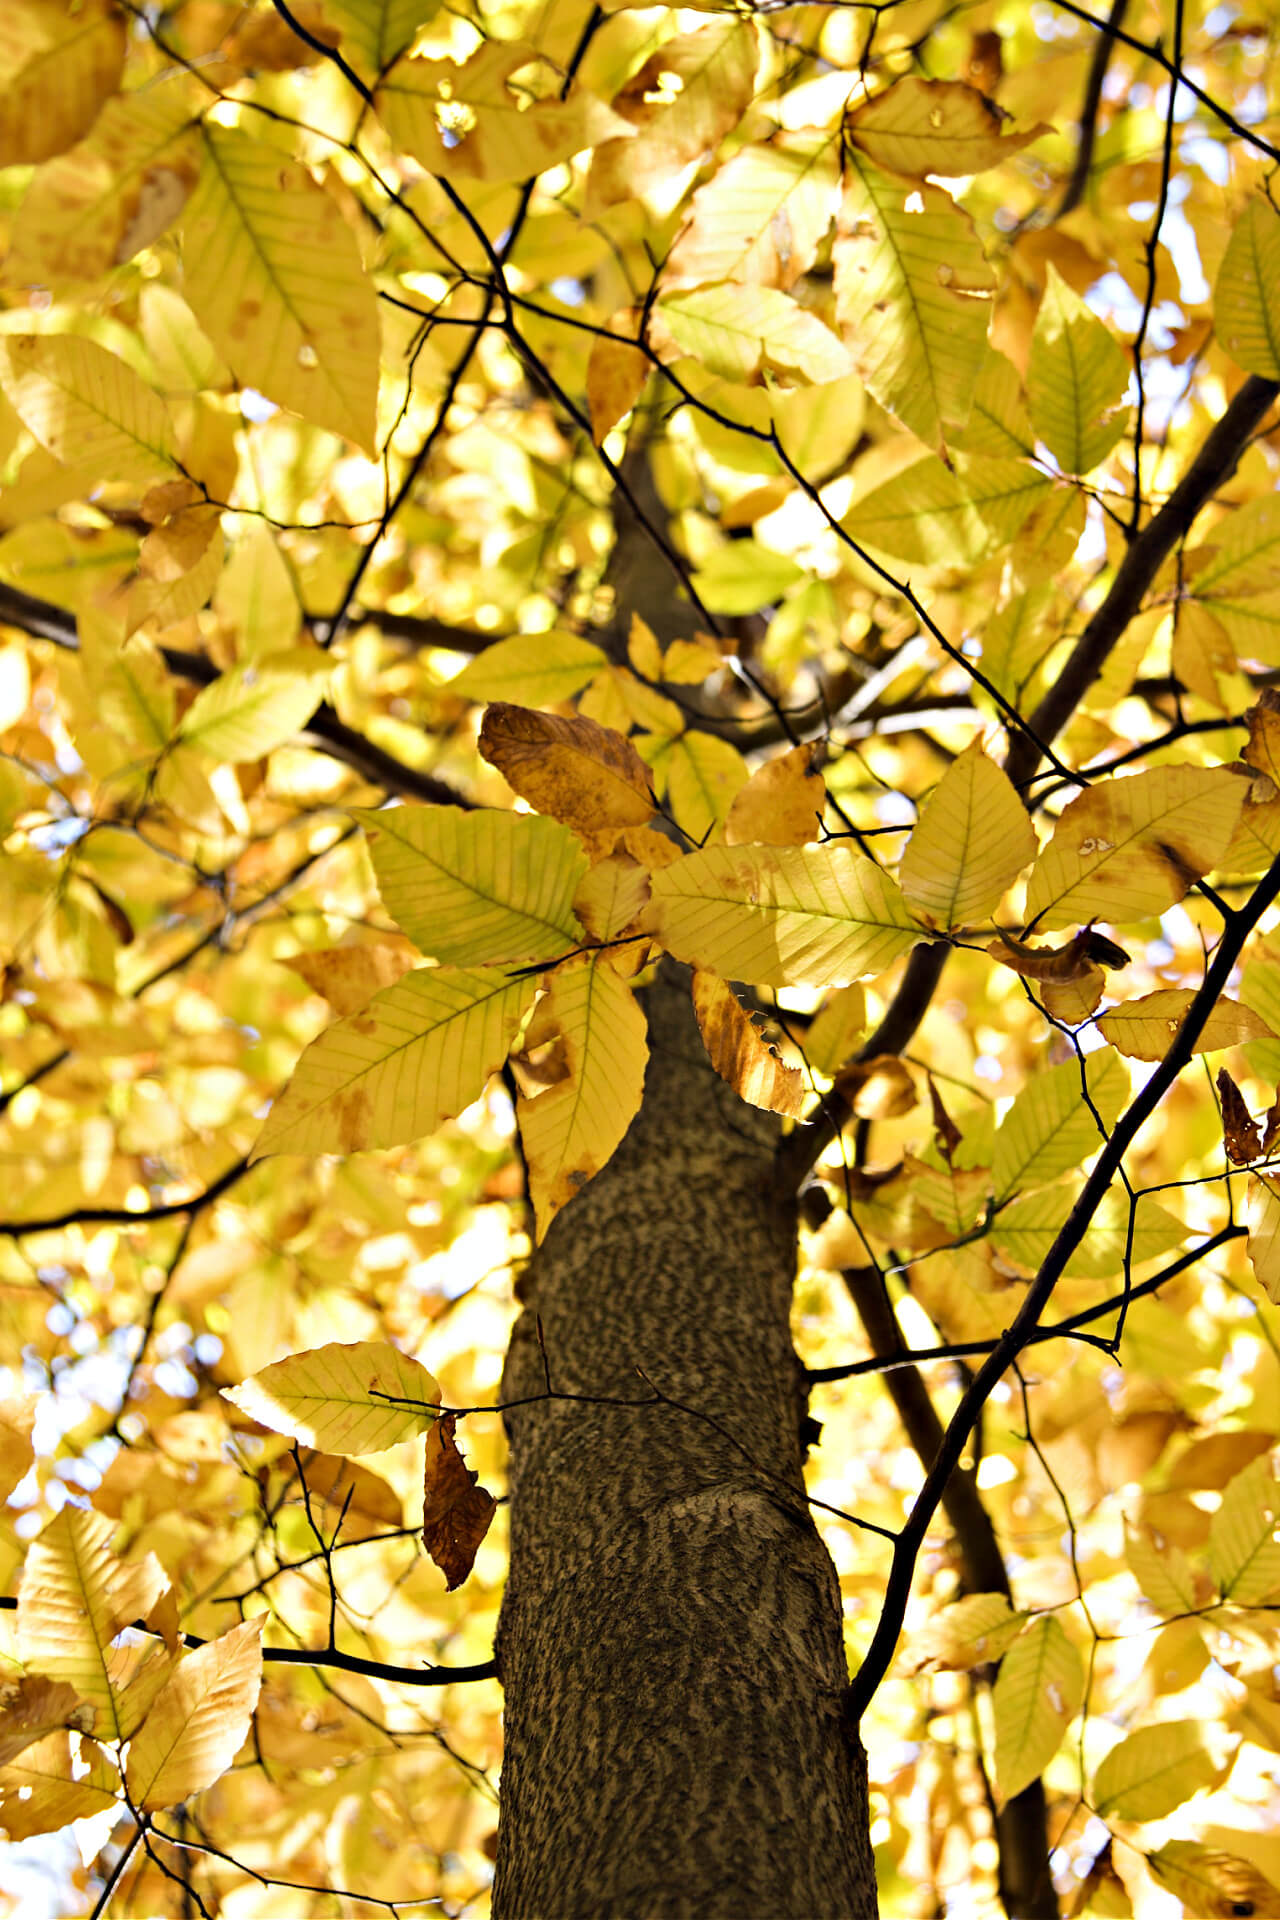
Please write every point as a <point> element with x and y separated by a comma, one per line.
<point>670,1641</point>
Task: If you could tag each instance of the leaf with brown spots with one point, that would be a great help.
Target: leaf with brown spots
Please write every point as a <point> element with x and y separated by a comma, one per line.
<point>738,1051</point>
<point>418,1054</point>
<point>579,772</point>
<point>1239,1129</point>
<point>1128,849</point>
<point>348,977</point>
<point>456,1510</point>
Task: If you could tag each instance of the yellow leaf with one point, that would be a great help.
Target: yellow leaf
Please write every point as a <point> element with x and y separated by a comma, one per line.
<point>419,1053</point>
<point>474,887</point>
<point>344,1399</point>
<point>570,1131</point>
<point>913,292</point>
<point>1162,1571</point>
<point>131,687</point>
<point>616,373</point>
<point>59,64</point>
<point>1213,1885</point>
<point>738,1051</point>
<point>256,707</point>
<point>1262,1212</point>
<point>714,65</point>
<point>761,218</point>
<point>1144,1029</point>
<point>112,194</point>
<point>198,1720</point>
<point>274,276</point>
<point>32,1708</point>
<point>1244,1553</point>
<point>1076,378</point>
<point>348,977</point>
<point>969,845</point>
<point>611,896</point>
<point>536,669</point>
<point>468,122</point>
<point>584,774</point>
<point>968,1633</point>
<point>1153,1771</point>
<point>89,409</point>
<point>782,803</point>
<point>1128,849</point>
<point>698,776</point>
<point>1038,1689</point>
<point>837,1027</point>
<point>76,1596</point>
<point>1246,299</point>
<point>377,31</point>
<point>17,1417</point>
<point>921,127</point>
<point>49,1786</point>
<point>255,595</point>
<point>784,916</point>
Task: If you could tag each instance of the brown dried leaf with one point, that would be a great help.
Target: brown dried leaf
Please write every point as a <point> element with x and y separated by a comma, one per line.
<point>1211,1883</point>
<point>739,1053</point>
<point>878,1089</point>
<point>577,771</point>
<point>1076,961</point>
<point>1239,1129</point>
<point>456,1511</point>
<point>945,1130</point>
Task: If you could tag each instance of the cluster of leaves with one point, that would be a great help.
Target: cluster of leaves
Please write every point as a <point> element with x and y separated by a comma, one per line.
<point>333,343</point>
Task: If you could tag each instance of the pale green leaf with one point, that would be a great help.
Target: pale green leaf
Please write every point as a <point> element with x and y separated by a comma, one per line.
<point>570,1131</point>
<point>473,887</point>
<point>1244,1537</point>
<point>913,293</point>
<point>781,916</point>
<point>274,276</point>
<point>1027,1229</point>
<point>743,575</point>
<point>735,331</point>
<point>87,407</point>
<point>969,845</point>
<point>1153,1771</point>
<point>1246,299</point>
<point>531,669</point>
<point>358,1398</point>
<point>418,1054</point>
<point>1038,1689</point>
<point>998,424</point>
<point>1076,378</point>
<point>257,707</point>
<point>1128,849</point>
<point>700,776</point>
<point>1050,1128</point>
<point>760,219</point>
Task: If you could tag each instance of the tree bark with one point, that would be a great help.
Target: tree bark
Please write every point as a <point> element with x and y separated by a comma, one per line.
<point>670,1641</point>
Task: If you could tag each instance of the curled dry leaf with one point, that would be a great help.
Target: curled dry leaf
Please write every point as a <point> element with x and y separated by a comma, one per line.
<point>1239,1130</point>
<point>739,1052</point>
<point>456,1510</point>
<point>945,1130</point>
<point>1070,978</point>
<point>878,1089</point>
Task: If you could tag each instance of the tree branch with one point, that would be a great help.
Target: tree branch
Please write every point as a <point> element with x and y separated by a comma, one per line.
<point>1024,1325</point>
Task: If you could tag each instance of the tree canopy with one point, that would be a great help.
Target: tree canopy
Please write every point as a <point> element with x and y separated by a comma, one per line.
<point>491,496</point>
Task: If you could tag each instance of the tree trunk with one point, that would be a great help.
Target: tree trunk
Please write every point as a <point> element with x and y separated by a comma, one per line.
<point>670,1642</point>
